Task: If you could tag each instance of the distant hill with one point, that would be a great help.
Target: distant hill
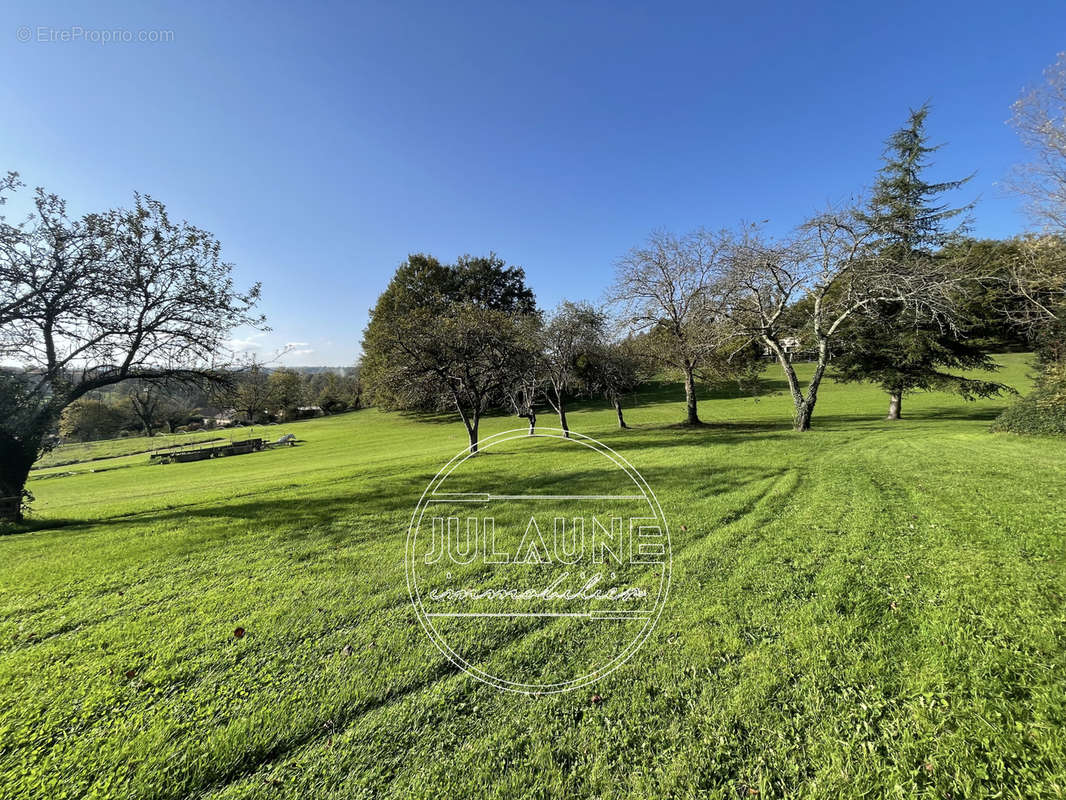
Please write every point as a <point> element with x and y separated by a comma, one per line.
<point>316,370</point>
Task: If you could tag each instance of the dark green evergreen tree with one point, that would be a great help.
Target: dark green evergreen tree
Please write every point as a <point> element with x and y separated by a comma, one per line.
<point>893,344</point>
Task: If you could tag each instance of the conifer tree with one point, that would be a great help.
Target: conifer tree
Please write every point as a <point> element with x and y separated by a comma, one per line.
<point>893,344</point>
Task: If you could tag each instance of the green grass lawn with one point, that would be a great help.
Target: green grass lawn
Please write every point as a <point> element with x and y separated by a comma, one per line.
<point>80,452</point>
<point>870,609</point>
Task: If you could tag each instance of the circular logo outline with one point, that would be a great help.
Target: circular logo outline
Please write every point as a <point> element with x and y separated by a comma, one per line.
<point>531,688</point>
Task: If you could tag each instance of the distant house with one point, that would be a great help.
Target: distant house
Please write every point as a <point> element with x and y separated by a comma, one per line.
<point>794,350</point>
<point>789,344</point>
<point>227,416</point>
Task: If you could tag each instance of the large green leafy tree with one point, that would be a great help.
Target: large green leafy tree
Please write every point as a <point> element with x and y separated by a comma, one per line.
<point>897,344</point>
<point>88,420</point>
<point>449,337</point>
<point>286,391</point>
<point>1000,316</point>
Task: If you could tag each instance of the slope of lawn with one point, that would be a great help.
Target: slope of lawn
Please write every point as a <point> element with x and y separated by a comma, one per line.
<point>870,609</point>
<point>79,452</point>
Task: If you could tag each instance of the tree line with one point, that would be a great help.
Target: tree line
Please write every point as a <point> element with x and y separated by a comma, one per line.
<point>889,289</point>
<point>252,394</point>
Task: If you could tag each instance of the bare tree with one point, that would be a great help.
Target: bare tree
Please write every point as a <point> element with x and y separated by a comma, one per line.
<point>89,302</point>
<point>668,288</point>
<point>525,389</point>
<point>1039,116</point>
<point>1038,276</point>
<point>808,286</point>
<point>146,401</point>
<point>248,391</point>
<point>572,336</point>
<point>574,353</point>
<point>616,371</point>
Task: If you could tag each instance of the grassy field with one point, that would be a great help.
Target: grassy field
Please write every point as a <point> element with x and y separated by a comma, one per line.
<point>871,609</point>
<point>82,452</point>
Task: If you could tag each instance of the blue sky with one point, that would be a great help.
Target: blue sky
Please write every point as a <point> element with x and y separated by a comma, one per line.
<point>323,144</point>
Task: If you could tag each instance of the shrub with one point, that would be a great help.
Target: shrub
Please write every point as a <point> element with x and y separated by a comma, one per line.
<point>1043,411</point>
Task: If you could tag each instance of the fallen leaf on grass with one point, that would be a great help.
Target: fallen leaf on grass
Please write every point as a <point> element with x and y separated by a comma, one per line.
<point>238,633</point>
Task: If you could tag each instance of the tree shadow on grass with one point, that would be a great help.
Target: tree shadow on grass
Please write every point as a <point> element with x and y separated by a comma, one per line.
<point>673,392</point>
<point>382,509</point>
<point>648,437</point>
<point>969,412</point>
<point>316,508</point>
<point>650,394</point>
<point>31,525</point>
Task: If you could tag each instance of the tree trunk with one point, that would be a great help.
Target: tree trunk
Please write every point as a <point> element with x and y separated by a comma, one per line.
<point>895,401</point>
<point>803,404</point>
<point>471,429</point>
<point>562,416</point>
<point>618,411</point>
<point>805,410</point>
<point>692,418</point>
<point>15,463</point>
<point>471,422</point>
<point>531,416</point>
<point>801,409</point>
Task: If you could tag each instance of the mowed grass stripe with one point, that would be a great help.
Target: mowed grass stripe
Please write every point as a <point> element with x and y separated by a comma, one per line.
<point>795,656</point>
